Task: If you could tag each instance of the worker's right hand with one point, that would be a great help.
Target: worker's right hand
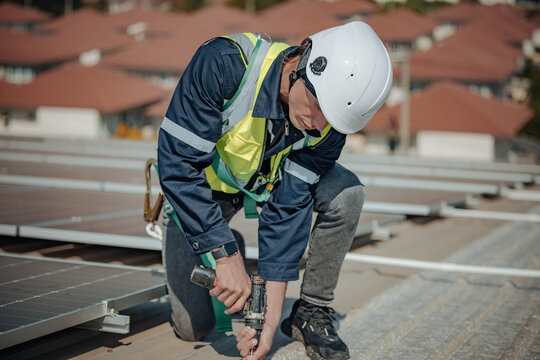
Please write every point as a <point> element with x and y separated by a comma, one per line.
<point>233,284</point>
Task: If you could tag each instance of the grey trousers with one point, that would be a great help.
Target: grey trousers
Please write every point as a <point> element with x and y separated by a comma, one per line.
<point>338,200</point>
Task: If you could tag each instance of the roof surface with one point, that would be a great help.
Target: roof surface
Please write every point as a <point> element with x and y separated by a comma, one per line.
<point>72,35</point>
<point>401,25</point>
<point>170,54</point>
<point>469,55</point>
<point>13,13</point>
<point>158,109</point>
<point>81,18</point>
<point>383,311</point>
<point>451,107</point>
<point>157,21</point>
<point>309,18</point>
<point>466,11</point>
<point>74,85</point>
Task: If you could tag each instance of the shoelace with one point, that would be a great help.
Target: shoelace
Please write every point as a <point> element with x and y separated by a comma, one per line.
<point>323,316</point>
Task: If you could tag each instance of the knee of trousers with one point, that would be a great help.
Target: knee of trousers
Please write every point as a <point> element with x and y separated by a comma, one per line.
<point>347,205</point>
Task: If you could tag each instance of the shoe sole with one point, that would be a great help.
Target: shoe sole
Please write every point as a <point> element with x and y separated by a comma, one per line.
<point>310,349</point>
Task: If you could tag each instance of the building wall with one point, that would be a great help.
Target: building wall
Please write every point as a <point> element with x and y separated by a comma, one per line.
<point>54,122</point>
<point>454,145</point>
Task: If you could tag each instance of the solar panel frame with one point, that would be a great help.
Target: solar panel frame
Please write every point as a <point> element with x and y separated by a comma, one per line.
<point>52,294</point>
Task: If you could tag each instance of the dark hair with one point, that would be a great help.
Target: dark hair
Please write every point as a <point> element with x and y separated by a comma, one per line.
<point>290,57</point>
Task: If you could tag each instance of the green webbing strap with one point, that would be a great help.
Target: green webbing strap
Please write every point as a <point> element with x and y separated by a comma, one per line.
<point>250,205</point>
<point>223,321</point>
<point>250,208</point>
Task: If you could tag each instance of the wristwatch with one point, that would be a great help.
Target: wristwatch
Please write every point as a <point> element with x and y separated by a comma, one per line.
<point>225,250</point>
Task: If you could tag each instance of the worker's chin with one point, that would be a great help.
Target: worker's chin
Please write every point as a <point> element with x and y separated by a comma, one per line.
<point>301,123</point>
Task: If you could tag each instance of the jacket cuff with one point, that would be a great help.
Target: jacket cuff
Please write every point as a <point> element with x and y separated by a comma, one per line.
<point>211,239</point>
<point>279,271</point>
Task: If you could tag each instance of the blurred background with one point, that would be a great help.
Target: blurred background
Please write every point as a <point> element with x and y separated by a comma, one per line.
<point>467,74</point>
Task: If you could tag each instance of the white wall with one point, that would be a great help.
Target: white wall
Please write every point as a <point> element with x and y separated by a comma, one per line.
<point>455,145</point>
<point>57,122</point>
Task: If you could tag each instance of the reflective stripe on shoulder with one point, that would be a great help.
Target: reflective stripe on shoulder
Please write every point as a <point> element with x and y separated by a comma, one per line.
<point>300,172</point>
<point>187,136</point>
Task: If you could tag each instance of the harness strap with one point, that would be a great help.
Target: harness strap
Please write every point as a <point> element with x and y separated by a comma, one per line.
<point>223,321</point>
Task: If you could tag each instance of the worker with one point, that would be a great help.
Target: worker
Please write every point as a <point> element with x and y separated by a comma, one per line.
<point>252,122</point>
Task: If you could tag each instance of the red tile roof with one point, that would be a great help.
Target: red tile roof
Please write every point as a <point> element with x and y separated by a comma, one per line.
<point>347,8</point>
<point>156,20</point>
<point>174,53</point>
<point>13,13</point>
<point>466,11</point>
<point>469,55</point>
<point>72,36</point>
<point>504,26</point>
<point>158,109</point>
<point>77,86</point>
<point>447,106</point>
<point>168,55</point>
<point>296,19</point>
<point>215,20</point>
<point>401,25</point>
<point>83,18</point>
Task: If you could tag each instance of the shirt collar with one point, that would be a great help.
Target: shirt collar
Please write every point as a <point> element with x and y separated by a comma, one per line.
<point>268,104</point>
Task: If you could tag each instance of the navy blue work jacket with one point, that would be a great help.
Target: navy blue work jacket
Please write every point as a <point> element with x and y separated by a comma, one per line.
<point>211,78</point>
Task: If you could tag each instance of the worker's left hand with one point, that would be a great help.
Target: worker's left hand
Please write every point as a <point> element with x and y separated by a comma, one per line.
<point>246,342</point>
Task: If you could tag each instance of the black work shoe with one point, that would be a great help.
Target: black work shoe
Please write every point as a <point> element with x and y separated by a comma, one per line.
<point>314,326</point>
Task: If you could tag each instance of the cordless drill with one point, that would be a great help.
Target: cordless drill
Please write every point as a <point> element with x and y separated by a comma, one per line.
<point>255,307</point>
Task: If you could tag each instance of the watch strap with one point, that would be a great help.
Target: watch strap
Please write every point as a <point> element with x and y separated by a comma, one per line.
<point>225,250</point>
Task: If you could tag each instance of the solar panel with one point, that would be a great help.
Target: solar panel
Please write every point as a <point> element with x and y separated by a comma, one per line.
<point>441,163</point>
<point>39,296</point>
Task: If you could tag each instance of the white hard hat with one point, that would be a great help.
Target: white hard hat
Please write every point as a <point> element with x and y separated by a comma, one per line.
<point>351,73</point>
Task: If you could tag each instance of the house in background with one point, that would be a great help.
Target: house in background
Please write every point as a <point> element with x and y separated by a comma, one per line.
<point>449,121</point>
<point>76,101</point>
<point>309,17</point>
<point>19,18</point>
<point>83,36</point>
<point>403,31</point>
<point>147,24</point>
<point>470,57</point>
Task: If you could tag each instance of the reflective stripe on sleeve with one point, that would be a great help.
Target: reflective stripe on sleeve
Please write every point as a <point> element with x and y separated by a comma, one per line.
<point>187,136</point>
<point>300,172</point>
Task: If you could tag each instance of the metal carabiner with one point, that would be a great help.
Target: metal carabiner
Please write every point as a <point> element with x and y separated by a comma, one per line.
<point>151,212</point>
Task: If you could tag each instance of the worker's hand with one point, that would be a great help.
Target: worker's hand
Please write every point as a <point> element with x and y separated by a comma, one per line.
<point>233,284</point>
<point>275,292</point>
<point>246,342</point>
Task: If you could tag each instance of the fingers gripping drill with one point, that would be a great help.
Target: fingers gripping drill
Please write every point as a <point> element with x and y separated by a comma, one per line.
<point>255,308</point>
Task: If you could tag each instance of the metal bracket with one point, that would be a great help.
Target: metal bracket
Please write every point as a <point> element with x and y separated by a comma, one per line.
<point>112,322</point>
<point>520,194</point>
<point>449,211</point>
<point>379,233</point>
